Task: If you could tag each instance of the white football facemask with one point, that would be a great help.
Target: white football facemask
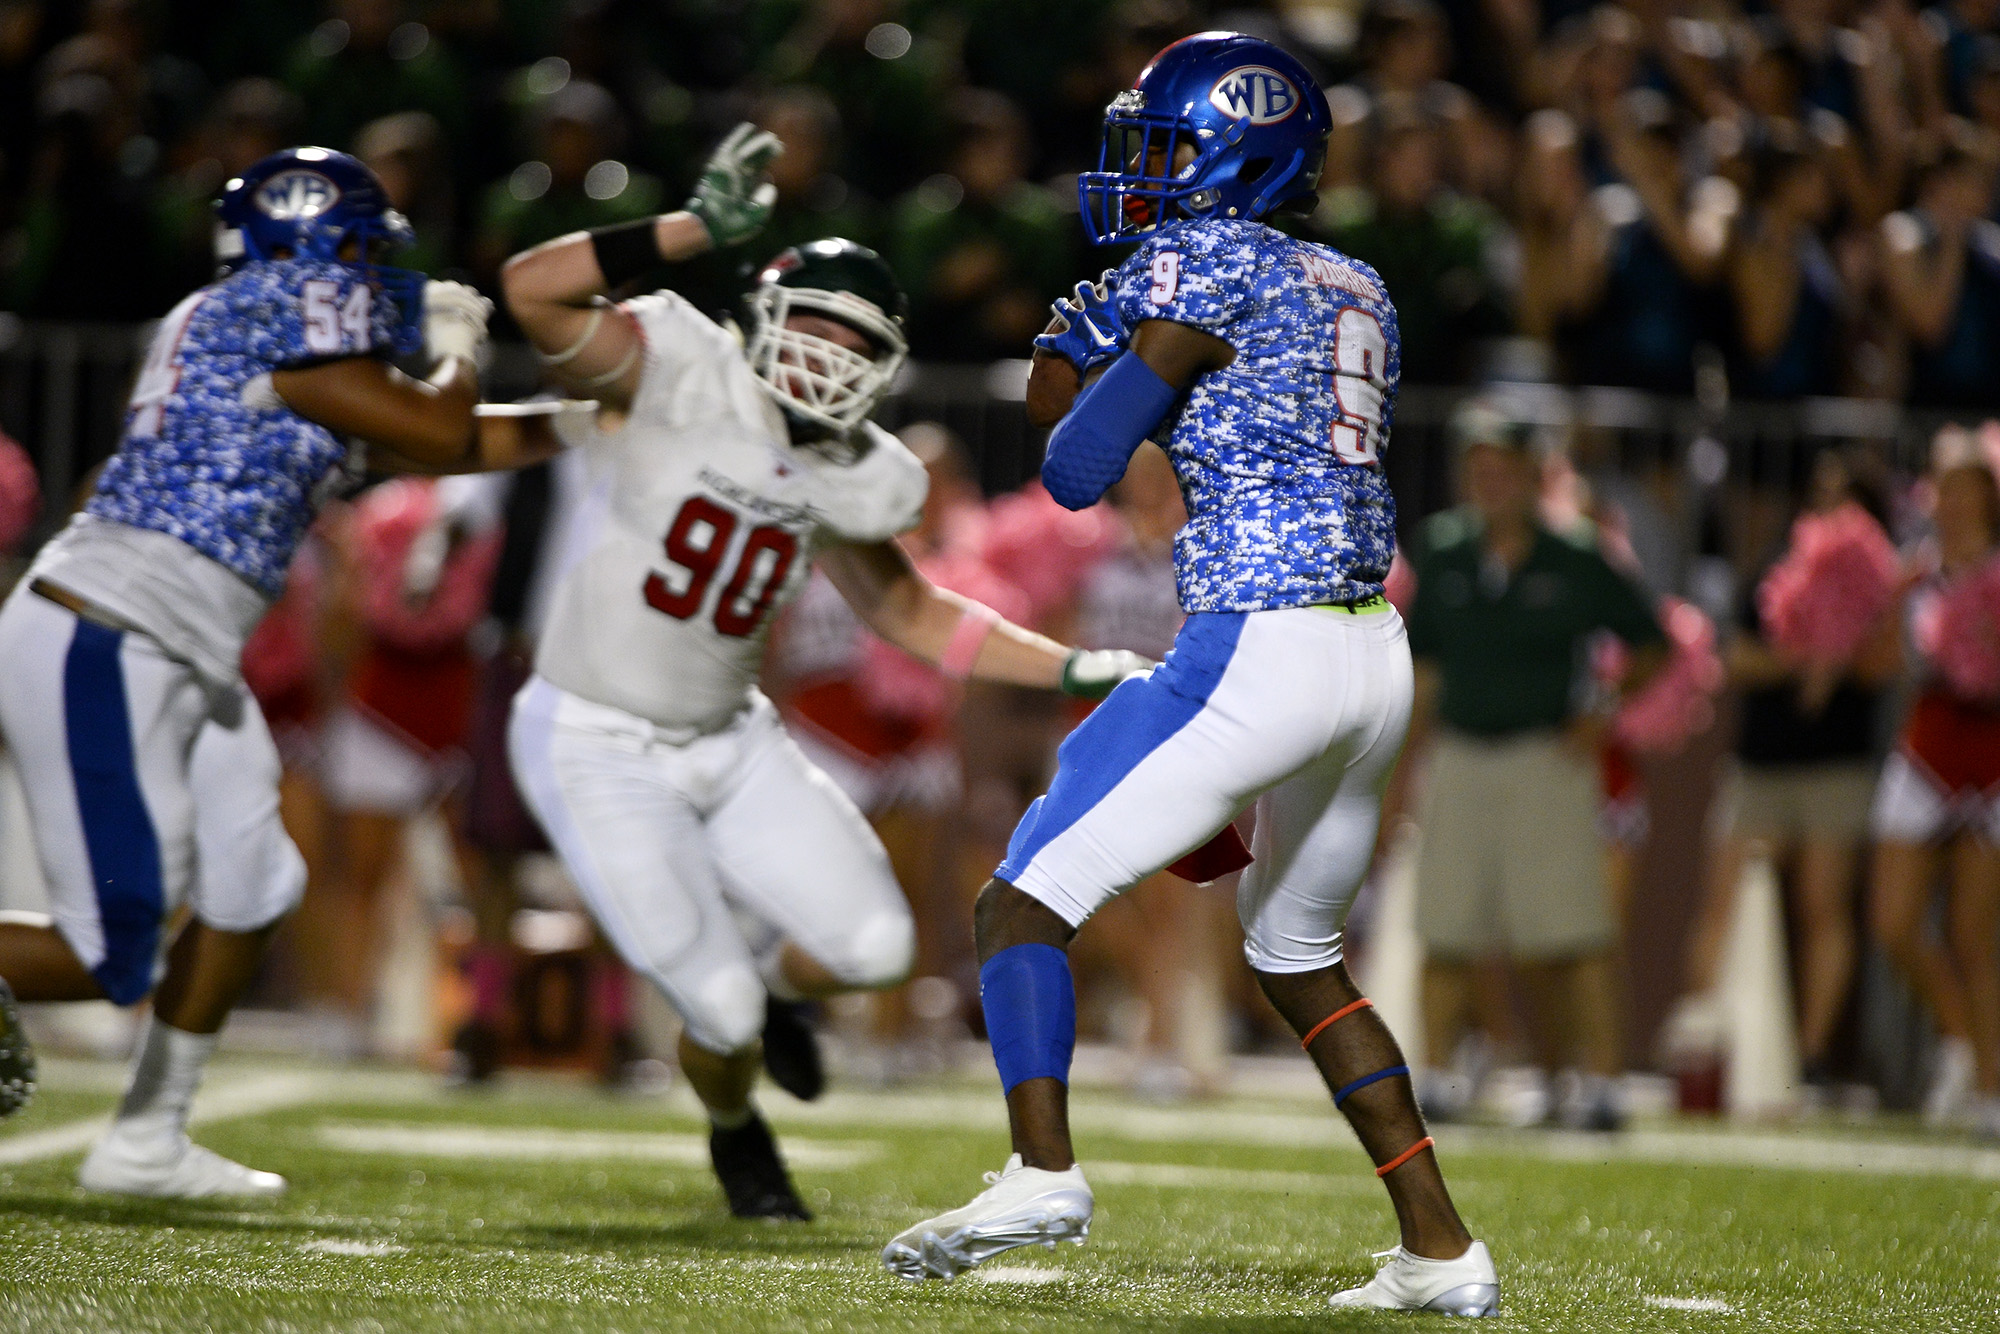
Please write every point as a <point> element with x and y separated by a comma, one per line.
<point>815,378</point>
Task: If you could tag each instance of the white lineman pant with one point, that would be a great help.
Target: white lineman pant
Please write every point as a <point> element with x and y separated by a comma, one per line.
<point>147,788</point>
<point>1302,710</point>
<point>675,842</point>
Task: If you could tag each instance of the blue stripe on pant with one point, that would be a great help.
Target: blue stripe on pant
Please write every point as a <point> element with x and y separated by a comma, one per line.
<point>117,829</point>
<point>1137,719</point>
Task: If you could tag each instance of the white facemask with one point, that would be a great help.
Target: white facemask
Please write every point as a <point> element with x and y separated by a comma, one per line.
<point>815,378</point>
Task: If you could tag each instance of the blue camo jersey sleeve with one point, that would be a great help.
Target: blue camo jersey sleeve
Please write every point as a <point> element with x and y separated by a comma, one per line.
<point>318,310</point>
<point>1182,274</point>
<point>1279,454</point>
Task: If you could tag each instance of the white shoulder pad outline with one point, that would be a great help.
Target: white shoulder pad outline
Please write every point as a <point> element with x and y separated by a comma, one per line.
<point>882,492</point>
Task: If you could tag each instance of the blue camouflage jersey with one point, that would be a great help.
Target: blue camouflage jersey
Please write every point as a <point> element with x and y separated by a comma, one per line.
<point>210,454</point>
<point>1279,454</point>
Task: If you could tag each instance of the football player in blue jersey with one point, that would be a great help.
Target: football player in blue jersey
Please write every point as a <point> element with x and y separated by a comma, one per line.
<point>152,781</point>
<point>1268,368</point>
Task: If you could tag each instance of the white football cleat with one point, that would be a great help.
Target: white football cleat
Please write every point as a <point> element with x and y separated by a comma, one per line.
<point>1953,1084</point>
<point>121,1165</point>
<point>1021,1206</point>
<point>1465,1286</point>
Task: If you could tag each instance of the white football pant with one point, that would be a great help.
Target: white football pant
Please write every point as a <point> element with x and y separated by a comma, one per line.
<point>147,787</point>
<point>697,855</point>
<point>1302,710</point>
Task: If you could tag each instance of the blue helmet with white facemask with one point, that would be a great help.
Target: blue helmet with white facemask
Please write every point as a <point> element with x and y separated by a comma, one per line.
<point>309,203</point>
<point>1257,123</point>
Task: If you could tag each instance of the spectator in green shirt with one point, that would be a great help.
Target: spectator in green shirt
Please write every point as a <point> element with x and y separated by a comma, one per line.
<point>1433,247</point>
<point>814,200</point>
<point>982,250</point>
<point>572,182</point>
<point>371,59</point>
<point>1512,860</point>
<point>406,152</point>
<point>887,80</point>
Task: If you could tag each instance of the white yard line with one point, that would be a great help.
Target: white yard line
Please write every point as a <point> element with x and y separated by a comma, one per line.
<point>550,1144</point>
<point>554,1144</point>
<point>1237,1123</point>
<point>1018,1274</point>
<point>1710,1304</point>
<point>345,1246</point>
<point>252,1096</point>
<point>1180,1176</point>
<point>1223,1124</point>
<point>1239,1126</point>
<point>1723,1148</point>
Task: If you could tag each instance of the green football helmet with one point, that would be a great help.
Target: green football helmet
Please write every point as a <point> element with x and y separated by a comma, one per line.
<point>823,386</point>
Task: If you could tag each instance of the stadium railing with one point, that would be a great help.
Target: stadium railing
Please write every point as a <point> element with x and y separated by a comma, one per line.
<point>63,388</point>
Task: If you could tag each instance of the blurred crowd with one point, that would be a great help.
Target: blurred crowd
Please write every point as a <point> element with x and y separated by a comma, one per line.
<point>1771,201</point>
<point>1837,720</point>
<point>1797,196</point>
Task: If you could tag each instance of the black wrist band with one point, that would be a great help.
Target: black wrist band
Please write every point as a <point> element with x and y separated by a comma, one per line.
<point>626,251</point>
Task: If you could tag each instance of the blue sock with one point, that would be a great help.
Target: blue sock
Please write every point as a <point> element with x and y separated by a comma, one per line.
<point>1030,1004</point>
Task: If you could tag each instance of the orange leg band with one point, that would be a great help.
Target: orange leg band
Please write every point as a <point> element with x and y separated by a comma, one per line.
<point>1363,1004</point>
<point>1405,1156</point>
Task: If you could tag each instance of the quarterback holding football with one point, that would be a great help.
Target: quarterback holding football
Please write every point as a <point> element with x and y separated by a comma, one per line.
<point>1268,368</point>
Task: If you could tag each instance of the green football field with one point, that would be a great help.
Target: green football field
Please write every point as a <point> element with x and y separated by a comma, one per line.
<point>546,1206</point>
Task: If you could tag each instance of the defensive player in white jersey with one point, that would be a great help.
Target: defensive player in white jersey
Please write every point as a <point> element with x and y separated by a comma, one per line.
<point>151,778</point>
<point>1269,368</point>
<point>720,862</point>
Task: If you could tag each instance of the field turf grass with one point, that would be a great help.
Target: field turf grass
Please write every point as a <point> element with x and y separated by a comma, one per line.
<point>545,1206</point>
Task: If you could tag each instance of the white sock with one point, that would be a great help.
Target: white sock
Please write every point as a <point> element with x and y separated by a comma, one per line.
<point>771,970</point>
<point>164,1077</point>
<point>735,1120</point>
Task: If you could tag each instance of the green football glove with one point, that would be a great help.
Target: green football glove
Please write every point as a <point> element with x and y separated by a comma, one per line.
<point>732,198</point>
<point>1093,673</point>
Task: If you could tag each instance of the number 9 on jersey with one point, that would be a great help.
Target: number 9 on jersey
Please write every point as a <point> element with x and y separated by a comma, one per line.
<point>1360,357</point>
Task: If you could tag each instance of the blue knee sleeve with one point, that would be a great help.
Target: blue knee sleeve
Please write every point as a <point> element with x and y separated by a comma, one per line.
<point>1030,1004</point>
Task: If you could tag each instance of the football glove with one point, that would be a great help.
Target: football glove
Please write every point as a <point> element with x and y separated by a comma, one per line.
<point>732,199</point>
<point>1093,333</point>
<point>1093,673</point>
<point>454,321</point>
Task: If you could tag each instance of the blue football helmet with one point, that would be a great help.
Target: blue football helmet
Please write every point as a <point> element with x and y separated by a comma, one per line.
<point>310,202</point>
<point>1255,118</point>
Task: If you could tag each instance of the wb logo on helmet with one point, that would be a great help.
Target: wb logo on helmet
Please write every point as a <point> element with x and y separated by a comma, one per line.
<point>1256,94</point>
<point>296,194</point>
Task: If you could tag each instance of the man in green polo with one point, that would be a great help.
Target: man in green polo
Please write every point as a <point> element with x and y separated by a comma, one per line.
<point>1512,860</point>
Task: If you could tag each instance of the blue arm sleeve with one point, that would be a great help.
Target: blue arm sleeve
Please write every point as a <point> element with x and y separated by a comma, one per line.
<point>1090,447</point>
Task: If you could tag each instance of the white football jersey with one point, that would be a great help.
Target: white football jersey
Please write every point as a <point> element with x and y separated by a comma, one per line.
<point>704,521</point>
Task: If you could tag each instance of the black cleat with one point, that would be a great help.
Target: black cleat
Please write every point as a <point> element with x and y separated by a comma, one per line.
<point>475,1053</point>
<point>791,1049</point>
<point>17,1057</point>
<point>752,1175</point>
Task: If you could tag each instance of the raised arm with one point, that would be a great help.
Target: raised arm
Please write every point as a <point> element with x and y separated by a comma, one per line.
<point>1922,282</point>
<point>557,291</point>
<point>962,637</point>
